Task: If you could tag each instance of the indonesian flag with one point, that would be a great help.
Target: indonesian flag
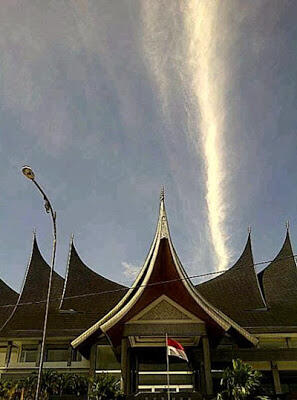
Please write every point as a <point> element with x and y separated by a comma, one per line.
<point>175,349</point>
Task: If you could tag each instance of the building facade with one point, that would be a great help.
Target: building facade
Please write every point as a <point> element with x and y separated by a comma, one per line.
<point>98,326</point>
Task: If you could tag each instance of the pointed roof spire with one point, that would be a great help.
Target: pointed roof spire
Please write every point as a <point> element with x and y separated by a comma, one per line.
<point>279,278</point>
<point>82,281</point>
<point>33,294</point>
<point>163,228</point>
<point>288,225</point>
<point>239,282</point>
<point>161,274</point>
<point>162,194</point>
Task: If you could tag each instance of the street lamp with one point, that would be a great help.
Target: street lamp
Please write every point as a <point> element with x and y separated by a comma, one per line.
<point>28,172</point>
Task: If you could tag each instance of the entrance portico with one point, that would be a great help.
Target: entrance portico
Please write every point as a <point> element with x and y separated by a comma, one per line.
<point>144,367</point>
<point>144,339</point>
<point>163,301</point>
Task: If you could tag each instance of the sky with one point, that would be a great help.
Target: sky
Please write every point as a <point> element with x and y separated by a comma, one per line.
<point>108,100</point>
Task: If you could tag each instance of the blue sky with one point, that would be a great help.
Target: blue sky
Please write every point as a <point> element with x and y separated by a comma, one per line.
<point>110,100</point>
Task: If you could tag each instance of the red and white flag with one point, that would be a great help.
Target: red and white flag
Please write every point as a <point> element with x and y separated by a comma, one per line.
<point>175,349</point>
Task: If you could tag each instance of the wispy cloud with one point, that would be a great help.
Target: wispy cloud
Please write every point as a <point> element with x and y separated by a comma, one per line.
<point>130,270</point>
<point>191,69</point>
<point>208,85</point>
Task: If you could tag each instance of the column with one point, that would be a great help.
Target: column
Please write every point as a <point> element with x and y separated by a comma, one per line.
<point>93,355</point>
<point>38,354</point>
<point>196,380</point>
<point>276,378</point>
<point>207,365</point>
<point>136,373</point>
<point>71,353</point>
<point>8,353</point>
<point>92,369</point>
<point>125,366</point>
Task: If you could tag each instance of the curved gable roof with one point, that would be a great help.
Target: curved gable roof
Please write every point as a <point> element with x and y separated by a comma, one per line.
<point>162,265</point>
<point>239,282</point>
<point>28,314</point>
<point>86,290</point>
<point>279,278</point>
<point>7,297</point>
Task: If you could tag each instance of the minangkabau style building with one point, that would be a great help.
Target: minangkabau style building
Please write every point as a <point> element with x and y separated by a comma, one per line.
<point>98,326</point>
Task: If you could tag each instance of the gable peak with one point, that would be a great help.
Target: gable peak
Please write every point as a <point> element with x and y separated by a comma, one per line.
<point>163,228</point>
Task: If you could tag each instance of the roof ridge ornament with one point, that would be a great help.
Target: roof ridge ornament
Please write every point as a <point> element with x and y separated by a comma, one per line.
<point>164,230</point>
<point>288,225</point>
<point>162,194</point>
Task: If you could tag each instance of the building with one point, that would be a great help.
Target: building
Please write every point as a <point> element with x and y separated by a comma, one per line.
<point>98,326</point>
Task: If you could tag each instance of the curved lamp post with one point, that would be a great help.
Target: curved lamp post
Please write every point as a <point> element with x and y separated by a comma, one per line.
<point>28,172</point>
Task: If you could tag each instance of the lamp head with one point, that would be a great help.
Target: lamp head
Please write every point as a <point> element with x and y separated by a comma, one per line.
<point>28,172</point>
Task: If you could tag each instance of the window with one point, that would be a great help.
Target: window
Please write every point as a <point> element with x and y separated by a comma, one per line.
<point>57,353</point>
<point>28,354</point>
<point>288,381</point>
<point>152,372</point>
<point>2,356</point>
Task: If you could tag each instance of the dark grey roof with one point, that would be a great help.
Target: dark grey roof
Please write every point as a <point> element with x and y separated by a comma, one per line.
<point>279,278</point>
<point>236,290</point>
<point>278,282</point>
<point>98,294</point>
<point>28,314</point>
<point>27,317</point>
<point>7,297</point>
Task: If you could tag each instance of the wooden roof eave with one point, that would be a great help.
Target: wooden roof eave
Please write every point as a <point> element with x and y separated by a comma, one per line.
<point>223,320</point>
<point>67,272</point>
<point>89,332</point>
<point>121,313</point>
<point>117,313</point>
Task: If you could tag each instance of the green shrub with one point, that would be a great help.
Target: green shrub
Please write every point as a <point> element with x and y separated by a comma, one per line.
<point>105,387</point>
<point>75,384</point>
<point>52,383</point>
<point>6,390</point>
<point>241,382</point>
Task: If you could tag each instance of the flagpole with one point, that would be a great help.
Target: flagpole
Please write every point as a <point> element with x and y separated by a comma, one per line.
<point>167,361</point>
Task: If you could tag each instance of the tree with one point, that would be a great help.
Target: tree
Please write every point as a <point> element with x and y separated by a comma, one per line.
<point>55,384</point>
<point>105,387</point>
<point>241,382</point>
<point>6,390</point>
<point>52,383</point>
<point>75,384</point>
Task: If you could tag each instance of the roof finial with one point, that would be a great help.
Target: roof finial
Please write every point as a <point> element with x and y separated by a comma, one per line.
<point>287,225</point>
<point>34,232</point>
<point>249,229</point>
<point>162,194</point>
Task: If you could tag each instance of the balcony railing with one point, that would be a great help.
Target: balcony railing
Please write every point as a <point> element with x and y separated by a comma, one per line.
<point>163,396</point>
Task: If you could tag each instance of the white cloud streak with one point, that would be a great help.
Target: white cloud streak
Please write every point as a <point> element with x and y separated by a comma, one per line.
<point>208,83</point>
<point>195,63</point>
